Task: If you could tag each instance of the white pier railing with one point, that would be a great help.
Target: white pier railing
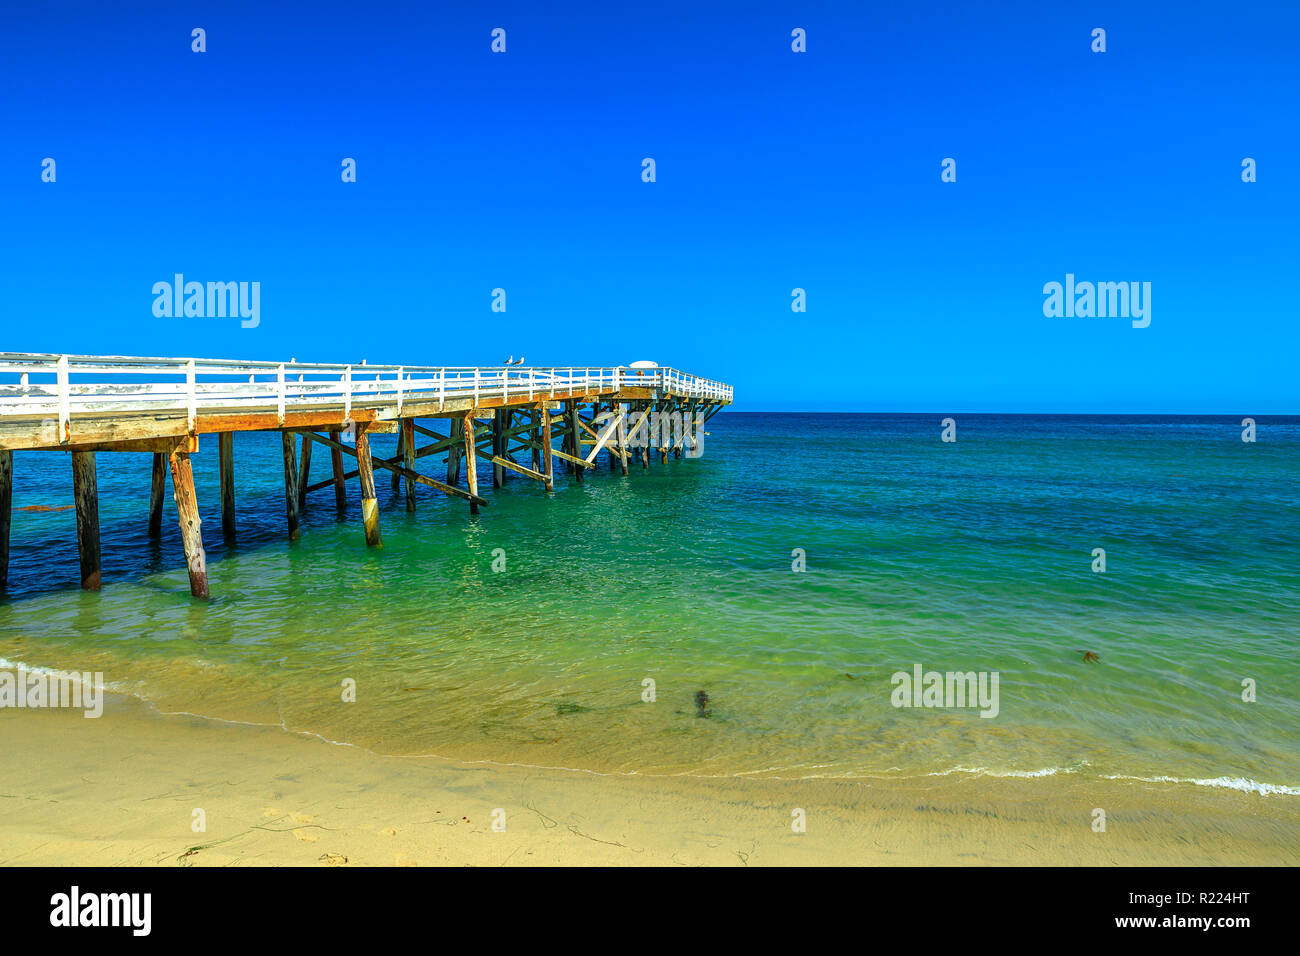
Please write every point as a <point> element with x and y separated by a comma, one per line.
<point>40,386</point>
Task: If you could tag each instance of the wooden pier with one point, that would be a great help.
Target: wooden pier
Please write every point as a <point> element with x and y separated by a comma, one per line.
<point>163,406</point>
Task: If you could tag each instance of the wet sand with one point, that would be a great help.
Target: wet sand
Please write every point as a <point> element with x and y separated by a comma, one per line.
<point>122,790</point>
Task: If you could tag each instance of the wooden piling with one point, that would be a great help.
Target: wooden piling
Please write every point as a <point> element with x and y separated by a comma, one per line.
<point>548,466</point>
<point>622,444</point>
<point>6,511</point>
<point>336,463</point>
<point>290,483</point>
<point>408,459</point>
<point>366,476</point>
<point>226,463</point>
<point>187,512</point>
<point>575,441</point>
<point>156,489</point>
<point>471,470</point>
<point>498,446</point>
<point>614,410</point>
<point>645,437</point>
<point>536,435</point>
<point>401,440</point>
<point>453,453</point>
<point>304,472</point>
<point>86,496</point>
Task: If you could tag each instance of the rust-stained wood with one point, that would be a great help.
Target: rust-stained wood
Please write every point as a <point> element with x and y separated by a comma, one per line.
<point>163,446</point>
<point>187,513</point>
<point>226,467</point>
<point>101,429</point>
<point>535,435</point>
<point>471,466</point>
<point>336,466</point>
<point>156,489</point>
<point>290,484</point>
<point>6,512</point>
<point>86,495</point>
<point>366,472</point>
<point>544,425</point>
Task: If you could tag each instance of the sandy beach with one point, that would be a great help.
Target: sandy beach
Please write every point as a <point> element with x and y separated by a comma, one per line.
<point>122,790</point>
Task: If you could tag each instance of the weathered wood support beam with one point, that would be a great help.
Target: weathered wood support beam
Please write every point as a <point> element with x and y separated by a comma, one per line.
<point>226,466</point>
<point>408,460</point>
<point>369,502</point>
<point>290,483</point>
<point>156,489</point>
<point>396,479</point>
<point>6,511</point>
<point>86,495</point>
<point>622,440</point>
<point>498,447</point>
<point>544,424</point>
<point>453,452</point>
<point>401,472</point>
<point>574,462</point>
<point>187,512</point>
<point>576,444</point>
<point>604,437</point>
<point>304,471</point>
<point>336,465</point>
<point>471,466</point>
<point>515,466</point>
<point>535,434</point>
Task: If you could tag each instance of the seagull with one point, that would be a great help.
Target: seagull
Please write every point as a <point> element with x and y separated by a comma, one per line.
<point>509,361</point>
<point>521,360</point>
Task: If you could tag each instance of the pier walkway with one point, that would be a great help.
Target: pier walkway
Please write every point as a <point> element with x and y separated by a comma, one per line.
<point>86,404</point>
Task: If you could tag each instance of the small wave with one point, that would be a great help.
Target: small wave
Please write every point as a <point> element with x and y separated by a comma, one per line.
<point>1243,784</point>
<point>986,772</point>
<point>7,665</point>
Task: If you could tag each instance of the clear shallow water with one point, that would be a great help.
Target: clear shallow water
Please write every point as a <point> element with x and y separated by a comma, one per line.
<point>973,556</point>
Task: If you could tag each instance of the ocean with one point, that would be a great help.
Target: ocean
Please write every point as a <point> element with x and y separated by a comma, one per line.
<point>790,574</point>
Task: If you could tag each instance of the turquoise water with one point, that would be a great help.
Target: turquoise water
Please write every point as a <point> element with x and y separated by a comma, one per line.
<point>966,556</point>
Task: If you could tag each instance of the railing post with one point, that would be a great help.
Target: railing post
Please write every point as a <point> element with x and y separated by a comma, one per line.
<point>475,388</point>
<point>399,391</point>
<point>442,388</point>
<point>65,402</point>
<point>347,393</point>
<point>191,402</point>
<point>279,392</point>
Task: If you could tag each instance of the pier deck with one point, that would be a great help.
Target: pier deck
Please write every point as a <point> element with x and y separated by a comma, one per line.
<point>86,404</point>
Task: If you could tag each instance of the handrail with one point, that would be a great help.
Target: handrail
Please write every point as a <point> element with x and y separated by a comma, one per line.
<point>46,385</point>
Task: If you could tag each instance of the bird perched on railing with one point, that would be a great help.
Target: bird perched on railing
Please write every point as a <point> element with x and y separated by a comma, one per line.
<point>509,361</point>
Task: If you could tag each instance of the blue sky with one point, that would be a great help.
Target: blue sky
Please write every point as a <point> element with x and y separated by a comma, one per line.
<point>775,170</point>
